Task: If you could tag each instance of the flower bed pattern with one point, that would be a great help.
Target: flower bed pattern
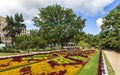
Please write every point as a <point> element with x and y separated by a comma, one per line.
<point>55,63</point>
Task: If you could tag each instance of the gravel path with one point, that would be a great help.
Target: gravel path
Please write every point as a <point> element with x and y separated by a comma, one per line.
<point>114,59</point>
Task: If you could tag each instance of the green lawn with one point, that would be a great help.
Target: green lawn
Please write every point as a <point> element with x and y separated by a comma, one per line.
<point>110,70</point>
<point>7,54</point>
<point>91,68</point>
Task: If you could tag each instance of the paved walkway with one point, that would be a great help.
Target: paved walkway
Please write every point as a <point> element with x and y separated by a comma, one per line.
<point>114,59</point>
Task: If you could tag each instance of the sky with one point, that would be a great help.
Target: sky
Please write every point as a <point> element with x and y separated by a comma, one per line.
<point>92,10</point>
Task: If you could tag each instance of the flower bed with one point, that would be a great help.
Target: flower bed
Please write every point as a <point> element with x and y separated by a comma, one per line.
<point>43,68</point>
<point>10,63</point>
<point>102,70</point>
<point>55,63</point>
<point>39,57</point>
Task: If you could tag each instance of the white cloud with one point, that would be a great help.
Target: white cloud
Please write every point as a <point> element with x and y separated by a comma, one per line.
<point>9,7</point>
<point>99,22</point>
<point>30,24</point>
<point>27,22</point>
<point>87,7</point>
<point>29,8</point>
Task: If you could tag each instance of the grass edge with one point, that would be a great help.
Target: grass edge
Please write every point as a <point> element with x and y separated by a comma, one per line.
<point>109,67</point>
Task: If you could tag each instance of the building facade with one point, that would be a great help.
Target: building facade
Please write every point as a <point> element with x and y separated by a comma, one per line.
<point>6,40</point>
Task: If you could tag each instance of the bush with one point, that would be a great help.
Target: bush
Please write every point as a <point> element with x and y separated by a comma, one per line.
<point>4,49</point>
<point>1,50</point>
<point>9,49</point>
<point>83,44</point>
<point>48,49</point>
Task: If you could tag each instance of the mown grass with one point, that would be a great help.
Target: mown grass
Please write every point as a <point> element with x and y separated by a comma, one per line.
<point>91,68</point>
<point>109,67</point>
<point>7,54</point>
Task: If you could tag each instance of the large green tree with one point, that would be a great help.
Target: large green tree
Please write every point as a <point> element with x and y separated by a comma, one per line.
<point>58,24</point>
<point>110,35</point>
<point>14,26</point>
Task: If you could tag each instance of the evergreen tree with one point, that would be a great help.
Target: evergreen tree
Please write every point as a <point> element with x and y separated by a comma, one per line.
<point>14,26</point>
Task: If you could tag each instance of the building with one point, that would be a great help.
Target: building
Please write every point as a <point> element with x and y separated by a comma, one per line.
<point>6,40</point>
<point>69,45</point>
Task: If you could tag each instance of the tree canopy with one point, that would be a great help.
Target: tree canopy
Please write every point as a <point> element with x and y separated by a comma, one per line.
<point>30,41</point>
<point>14,26</point>
<point>110,34</point>
<point>58,24</point>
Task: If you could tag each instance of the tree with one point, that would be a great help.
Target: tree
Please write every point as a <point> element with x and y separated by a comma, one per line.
<point>0,41</point>
<point>34,32</point>
<point>94,40</point>
<point>57,24</point>
<point>83,44</point>
<point>110,35</point>
<point>14,26</point>
<point>24,42</point>
<point>39,42</point>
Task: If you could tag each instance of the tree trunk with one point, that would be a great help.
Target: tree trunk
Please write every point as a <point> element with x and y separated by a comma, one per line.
<point>12,43</point>
<point>61,45</point>
<point>37,48</point>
